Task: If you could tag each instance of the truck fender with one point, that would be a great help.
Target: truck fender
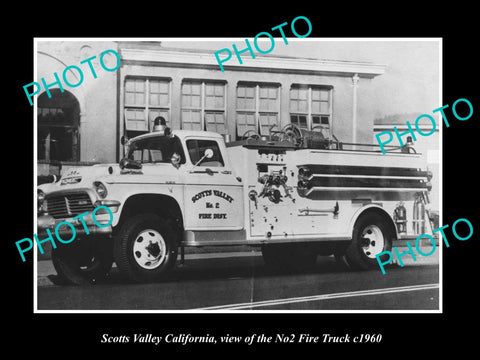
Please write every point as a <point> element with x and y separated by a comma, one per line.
<point>150,202</point>
<point>374,208</point>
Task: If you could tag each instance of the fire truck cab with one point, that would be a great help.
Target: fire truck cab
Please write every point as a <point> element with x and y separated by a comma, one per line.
<point>294,194</point>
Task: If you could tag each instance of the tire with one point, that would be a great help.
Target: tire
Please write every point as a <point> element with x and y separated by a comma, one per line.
<point>150,262</point>
<point>291,257</point>
<point>371,236</point>
<point>82,263</point>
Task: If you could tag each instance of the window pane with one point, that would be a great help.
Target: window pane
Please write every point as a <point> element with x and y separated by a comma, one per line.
<point>245,122</point>
<point>159,93</point>
<point>293,105</point>
<point>299,120</point>
<point>196,89</point>
<point>156,149</point>
<point>191,120</point>
<point>209,89</point>
<point>135,120</point>
<point>219,89</point>
<point>195,101</point>
<point>303,121</point>
<point>241,103</point>
<point>302,106</point>
<point>164,100</point>
<point>215,122</point>
<point>324,107</point>
<point>245,97</point>
<point>129,98</point>
<point>196,150</point>
<point>214,98</point>
<point>268,98</point>
<point>324,95</point>
<point>139,85</point>
<point>266,122</point>
<point>186,88</point>
<point>303,94</point>
<point>135,92</point>
<point>299,100</point>
<point>272,93</point>
<point>129,85</point>
<point>294,93</point>
<point>191,95</point>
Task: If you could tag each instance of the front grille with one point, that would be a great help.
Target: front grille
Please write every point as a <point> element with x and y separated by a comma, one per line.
<point>68,205</point>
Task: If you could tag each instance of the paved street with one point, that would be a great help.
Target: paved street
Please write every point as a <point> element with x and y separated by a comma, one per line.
<point>241,281</point>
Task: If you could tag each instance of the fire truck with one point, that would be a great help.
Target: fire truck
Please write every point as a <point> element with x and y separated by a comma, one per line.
<point>294,194</point>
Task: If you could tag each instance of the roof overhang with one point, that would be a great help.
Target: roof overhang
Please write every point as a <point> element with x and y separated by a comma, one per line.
<point>263,63</point>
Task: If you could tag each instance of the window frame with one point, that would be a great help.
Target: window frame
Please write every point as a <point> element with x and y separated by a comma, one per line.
<point>196,140</point>
<point>147,108</point>
<point>257,111</point>
<point>203,109</point>
<point>310,114</point>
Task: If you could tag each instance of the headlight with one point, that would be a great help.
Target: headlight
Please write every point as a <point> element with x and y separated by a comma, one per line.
<point>100,189</point>
<point>40,196</point>
<point>40,199</point>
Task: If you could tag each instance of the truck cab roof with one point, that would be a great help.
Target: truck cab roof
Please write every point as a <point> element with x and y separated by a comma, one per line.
<point>182,134</point>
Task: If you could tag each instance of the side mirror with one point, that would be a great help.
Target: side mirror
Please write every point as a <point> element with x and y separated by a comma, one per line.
<point>208,154</point>
<point>123,140</point>
<point>126,163</point>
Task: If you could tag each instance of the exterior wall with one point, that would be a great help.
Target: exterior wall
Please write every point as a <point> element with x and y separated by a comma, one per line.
<point>152,66</point>
<point>97,97</point>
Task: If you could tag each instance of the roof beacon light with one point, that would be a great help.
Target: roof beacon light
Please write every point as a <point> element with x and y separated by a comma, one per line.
<point>160,125</point>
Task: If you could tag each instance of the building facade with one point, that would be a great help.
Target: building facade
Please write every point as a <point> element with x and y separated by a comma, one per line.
<point>83,125</point>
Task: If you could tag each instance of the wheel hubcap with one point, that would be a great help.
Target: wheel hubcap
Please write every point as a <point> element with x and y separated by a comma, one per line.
<point>149,249</point>
<point>372,241</point>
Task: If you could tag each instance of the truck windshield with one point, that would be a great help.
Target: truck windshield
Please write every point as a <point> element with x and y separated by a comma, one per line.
<point>157,149</point>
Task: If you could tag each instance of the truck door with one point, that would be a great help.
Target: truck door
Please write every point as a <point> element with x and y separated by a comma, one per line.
<point>213,194</point>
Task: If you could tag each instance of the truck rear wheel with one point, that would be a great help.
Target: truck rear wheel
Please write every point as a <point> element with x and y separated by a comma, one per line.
<point>82,262</point>
<point>371,236</point>
<point>145,248</point>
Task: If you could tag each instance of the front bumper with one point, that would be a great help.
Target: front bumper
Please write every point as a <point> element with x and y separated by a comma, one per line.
<point>45,222</point>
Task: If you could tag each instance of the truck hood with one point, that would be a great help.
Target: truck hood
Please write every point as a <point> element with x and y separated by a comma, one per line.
<point>81,177</point>
<point>87,174</point>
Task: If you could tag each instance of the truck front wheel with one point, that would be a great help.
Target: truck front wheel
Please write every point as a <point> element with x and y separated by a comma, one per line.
<point>145,248</point>
<point>82,262</point>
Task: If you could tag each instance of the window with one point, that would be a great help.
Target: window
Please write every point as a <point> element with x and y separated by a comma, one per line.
<point>157,149</point>
<point>196,150</point>
<point>203,106</point>
<point>257,108</point>
<point>310,108</point>
<point>145,99</point>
